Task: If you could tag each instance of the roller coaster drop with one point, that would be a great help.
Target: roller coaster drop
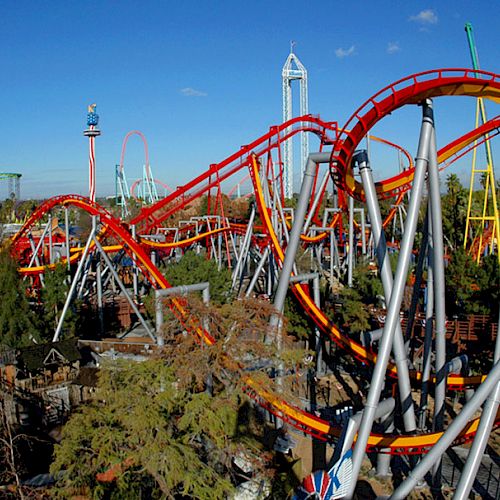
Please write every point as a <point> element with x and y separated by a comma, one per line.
<point>272,254</point>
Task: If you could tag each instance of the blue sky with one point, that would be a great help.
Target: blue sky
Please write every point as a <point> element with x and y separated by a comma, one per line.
<point>199,79</point>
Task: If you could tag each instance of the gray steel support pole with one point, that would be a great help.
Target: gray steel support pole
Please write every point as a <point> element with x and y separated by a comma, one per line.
<point>283,218</point>
<point>293,244</point>
<point>398,347</point>
<point>34,257</point>
<point>317,346</point>
<point>86,270</point>
<point>392,319</point>
<point>332,236</point>
<point>134,307</point>
<point>134,269</point>
<point>384,457</point>
<point>34,253</point>
<point>66,230</point>
<point>244,247</point>
<point>315,203</point>
<point>203,287</point>
<point>486,423</point>
<point>401,219</point>
<point>72,288</point>
<point>49,224</point>
<point>100,310</point>
<point>257,272</point>
<point>429,327</point>
<point>446,440</point>
<point>352,426</point>
<point>418,280</point>
<point>317,301</point>
<point>350,254</point>
<point>439,294</point>
<point>363,232</point>
<point>87,266</point>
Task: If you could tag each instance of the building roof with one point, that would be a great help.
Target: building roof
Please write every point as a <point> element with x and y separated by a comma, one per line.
<point>38,356</point>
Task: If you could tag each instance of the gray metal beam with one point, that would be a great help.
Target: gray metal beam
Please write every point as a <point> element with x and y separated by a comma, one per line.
<point>446,440</point>
<point>72,288</point>
<point>293,244</point>
<point>439,299</point>
<point>393,310</point>
<point>486,423</point>
<point>108,262</point>
<point>398,347</point>
<point>203,287</point>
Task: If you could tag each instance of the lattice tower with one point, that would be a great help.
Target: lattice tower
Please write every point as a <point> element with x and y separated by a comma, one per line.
<point>13,184</point>
<point>294,70</point>
<point>484,221</point>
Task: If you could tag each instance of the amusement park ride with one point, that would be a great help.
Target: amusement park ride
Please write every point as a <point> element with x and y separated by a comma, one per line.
<point>262,256</point>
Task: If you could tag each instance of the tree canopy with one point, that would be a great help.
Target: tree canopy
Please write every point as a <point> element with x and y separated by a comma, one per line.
<point>16,319</point>
<point>160,429</point>
<point>193,268</point>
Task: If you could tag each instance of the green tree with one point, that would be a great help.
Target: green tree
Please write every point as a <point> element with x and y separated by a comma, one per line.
<point>356,302</point>
<point>466,285</point>
<point>156,432</point>
<point>16,320</point>
<point>298,324</point>
<point>353,314</point>
<point>193,268</point>
<point>454,208</point>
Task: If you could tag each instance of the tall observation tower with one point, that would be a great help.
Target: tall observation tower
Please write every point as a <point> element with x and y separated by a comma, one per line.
<point>294,70</point>
<point>92,132</point>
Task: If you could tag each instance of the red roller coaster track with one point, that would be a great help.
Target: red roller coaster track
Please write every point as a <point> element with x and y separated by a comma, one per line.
<point>411,90</point>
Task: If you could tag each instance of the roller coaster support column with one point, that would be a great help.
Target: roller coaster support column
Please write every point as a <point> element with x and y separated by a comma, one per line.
<point>72,288</point>
<point>34,257</point>
<point>257,272</point>
<point>294,241</point>
<point>134,307</point>
<point>203,287</point>
<point>486,422</point>
<point>384,459</point>
<point>361,211</point>
<point>314,277</point>
<point>66,231</point>
<point>429,327</point>
<point>244,247</point>
<point>317,199</point>
<point>393,310</point>
<point>350,253</point>
<point>35,250</point>
<point>418,283</point>
<point>399,350</point>
<point>100,310</point>
<point>134,269</point>
<point>350,429</point>
<point>439,299</point>
<point>49,224</point>
<point>446,440</point>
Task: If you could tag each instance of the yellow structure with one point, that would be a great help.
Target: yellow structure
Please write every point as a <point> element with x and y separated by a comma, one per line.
<point>482,227</point>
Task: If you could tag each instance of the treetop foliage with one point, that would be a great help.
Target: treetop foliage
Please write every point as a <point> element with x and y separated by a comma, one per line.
<point>193,268</point>
<point>160,429</point>
<point>16,319</point>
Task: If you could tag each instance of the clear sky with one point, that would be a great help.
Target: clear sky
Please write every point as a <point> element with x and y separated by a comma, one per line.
<point>201,78</point>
